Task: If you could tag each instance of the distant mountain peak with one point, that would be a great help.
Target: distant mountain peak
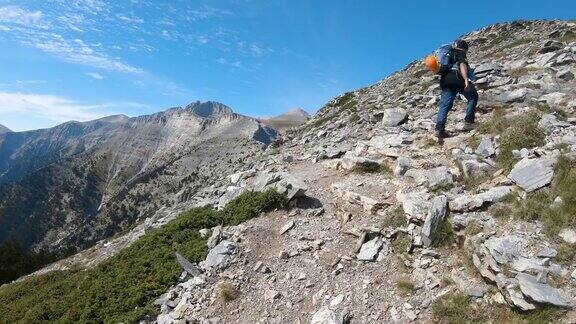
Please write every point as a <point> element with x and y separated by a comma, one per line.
<point>4,129</point>
<point>296,112</point>
<point>209,109</point>
<point>291,118</point>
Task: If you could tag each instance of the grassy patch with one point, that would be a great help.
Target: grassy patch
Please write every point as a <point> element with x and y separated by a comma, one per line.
<point>354,118</point>
<point>405,287</point>
<point>501,210</point>
<point>566,253</point>
<point>395,218</point>
<point>521,71</point>
<point>444,235</point>
<point>568,37</point>
<point>473,228</point>
<point>520,41</point>
<point>496,124</point>
<point>227,292</point>
<point>537,205</point>
<point>471,183</point>
<point>429,142</point>
<point>123,288</point>
<point>371,167</point>
<point>401,243</point>
<point>459,308</point>
<point>523,132</point>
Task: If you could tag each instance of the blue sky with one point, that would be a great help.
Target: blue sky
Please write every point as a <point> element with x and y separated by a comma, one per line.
<point>83,59</point>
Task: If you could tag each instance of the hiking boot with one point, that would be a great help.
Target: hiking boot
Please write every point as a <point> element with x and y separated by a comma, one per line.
<point>441,134</point>
<point>468,126</point>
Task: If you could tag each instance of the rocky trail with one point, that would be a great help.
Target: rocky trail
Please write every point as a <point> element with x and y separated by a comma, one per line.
<point>388,225</point>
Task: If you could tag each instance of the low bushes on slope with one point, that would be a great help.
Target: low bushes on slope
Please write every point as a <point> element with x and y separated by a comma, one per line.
<point>123,288</point>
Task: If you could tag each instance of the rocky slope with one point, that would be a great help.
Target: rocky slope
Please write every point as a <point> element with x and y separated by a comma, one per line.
<point>398,228</point>
<point>74,184</point>
<point>386,224</point>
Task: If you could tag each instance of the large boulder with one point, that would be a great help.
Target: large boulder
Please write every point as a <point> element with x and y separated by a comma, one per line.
<point>532,174</point>
<point>394,117</point>
<point>439,177</point>
<point>326,316</point>
<point>219,255</point>
<point>414,204</point>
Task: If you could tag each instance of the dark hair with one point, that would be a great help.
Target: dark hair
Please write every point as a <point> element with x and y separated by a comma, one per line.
<point>462,44</point>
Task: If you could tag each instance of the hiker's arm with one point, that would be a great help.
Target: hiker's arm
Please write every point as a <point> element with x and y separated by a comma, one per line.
<point>464,72</point>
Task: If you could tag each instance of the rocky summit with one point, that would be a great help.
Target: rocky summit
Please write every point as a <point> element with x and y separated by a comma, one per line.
<point>382,223</point>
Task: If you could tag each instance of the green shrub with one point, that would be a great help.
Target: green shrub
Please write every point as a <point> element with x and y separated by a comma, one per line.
<point>123,288</point>
<point>444,235</point>
<point>370,167</point>
<point>227,292</point>
<point>395,218</point>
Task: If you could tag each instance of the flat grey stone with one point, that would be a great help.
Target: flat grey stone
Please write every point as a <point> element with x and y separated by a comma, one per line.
<point>468,202</point>
<point>435,216</point>
<point>466,285</point>
<point>370,249</point>
<point>231,193</point>
<point>187,266</point>
<point>532,174</point>
<point>539,292</point>
<point>506,249</point>
<point>517,95</point>
<point>415,204</point>
<point>288,226</point>
<point>485,148</point>
<point>402,165</point>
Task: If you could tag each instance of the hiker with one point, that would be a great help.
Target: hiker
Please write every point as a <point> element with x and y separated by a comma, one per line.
<point>454,79</point>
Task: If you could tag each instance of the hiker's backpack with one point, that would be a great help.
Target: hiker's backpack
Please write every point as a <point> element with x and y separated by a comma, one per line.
<point>441,61</point>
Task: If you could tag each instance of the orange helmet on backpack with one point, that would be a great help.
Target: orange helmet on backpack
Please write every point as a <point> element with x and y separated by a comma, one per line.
<point>431,62</point>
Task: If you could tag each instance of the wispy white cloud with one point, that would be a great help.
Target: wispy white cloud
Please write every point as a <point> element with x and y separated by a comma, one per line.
<point>78,52</point>
<point>232,63</point>
<point>57,108</point>
<point>131,20</point>
<point>16,15</point>
<point>206,12</point>
<point>95,75</point>
<point>48,106</point>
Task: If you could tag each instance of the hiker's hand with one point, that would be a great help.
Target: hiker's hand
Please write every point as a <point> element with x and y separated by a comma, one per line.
<point>466,86</point>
